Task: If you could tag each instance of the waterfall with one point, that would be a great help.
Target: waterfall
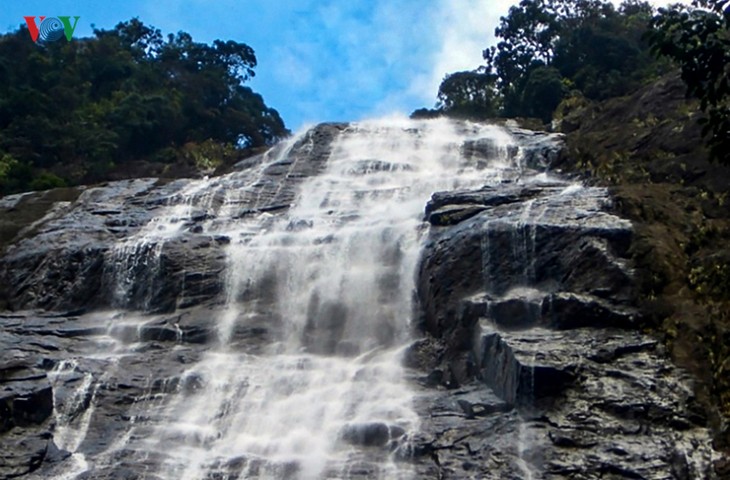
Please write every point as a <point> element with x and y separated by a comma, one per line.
<point>387,299</point>
<point>336,276</point>
<point>328,283</point>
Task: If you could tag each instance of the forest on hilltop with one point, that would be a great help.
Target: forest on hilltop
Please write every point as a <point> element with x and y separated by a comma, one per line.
<point>555,55</point>
<point>127,102</point>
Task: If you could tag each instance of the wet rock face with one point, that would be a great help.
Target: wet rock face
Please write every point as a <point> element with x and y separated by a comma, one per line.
<point>95,248</point>
<point>104,247</point>
<point>526,290</point>
<point>555,240</point>
<point>26,408</point>
<point>65,258</point>
<point>528,365</point>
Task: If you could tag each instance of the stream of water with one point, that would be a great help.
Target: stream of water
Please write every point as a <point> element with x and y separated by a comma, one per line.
<point>333,278</point>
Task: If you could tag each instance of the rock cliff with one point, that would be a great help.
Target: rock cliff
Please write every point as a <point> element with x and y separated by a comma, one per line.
<point>527,357</point>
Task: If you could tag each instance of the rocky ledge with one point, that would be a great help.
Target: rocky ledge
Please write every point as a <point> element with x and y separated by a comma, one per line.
<point>531,361</point>
<point>65,251</point>
<point>530,333</point>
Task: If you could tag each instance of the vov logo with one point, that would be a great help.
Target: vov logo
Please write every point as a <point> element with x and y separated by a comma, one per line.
<point>51,28</point>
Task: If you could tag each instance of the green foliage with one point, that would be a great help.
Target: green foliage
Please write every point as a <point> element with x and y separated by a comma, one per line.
<point>208,155</point>
<point>7,164</point>
<point>715,340</point>
<point>698,39</point>
<point>73,112</point>
<point>424,113</point>
<point>712,280</point>
<point>45,181</point>
<point>548,47</point>
<point>13,173</point>
<point>544,89</point>
<point>595,47</point>
<point>468,94</point>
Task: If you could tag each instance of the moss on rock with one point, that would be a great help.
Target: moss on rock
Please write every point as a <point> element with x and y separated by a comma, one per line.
<point>648,148</point>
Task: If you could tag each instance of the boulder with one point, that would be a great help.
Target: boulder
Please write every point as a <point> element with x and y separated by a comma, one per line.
<point>543,238</point>
<point>371,434</point>
<point>26,407</point>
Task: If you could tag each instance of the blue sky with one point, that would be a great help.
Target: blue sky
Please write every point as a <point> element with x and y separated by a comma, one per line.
<point>318,60</point>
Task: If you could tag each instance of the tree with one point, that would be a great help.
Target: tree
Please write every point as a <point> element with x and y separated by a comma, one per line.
<point>73,112</point>
<point>605,55</point>
<point>595,47</point>
<point>698,39</point>
<point>547,47</point>
<point>469,94</point>
<point>528,35</point>
<point>543,92</point>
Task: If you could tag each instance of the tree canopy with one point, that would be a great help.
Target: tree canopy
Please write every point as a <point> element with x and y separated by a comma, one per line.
<point>469,94</point>
<point>548,49</point>
<point>70,112</point>
<point>697,37</point>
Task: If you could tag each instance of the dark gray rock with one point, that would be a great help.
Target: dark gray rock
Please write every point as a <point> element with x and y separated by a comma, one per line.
<point>529,364</point>
<point>453,214</point>
<point>563,310</point>
<point>372,434</point>
<point>25,397</point>
<point>26,407</point>
<point>487,196</point>
<point>634,417</point>
<point>523,372</point>
<point>538,150</point>
<point>553,241</point>
<point>532,296</point>
<point>523,307</point>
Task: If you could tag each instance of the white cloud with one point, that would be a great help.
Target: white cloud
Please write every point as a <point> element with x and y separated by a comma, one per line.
<point>343,61</point>
<point>336,60</point>
<point>290,66</point>
<point>465,28</point>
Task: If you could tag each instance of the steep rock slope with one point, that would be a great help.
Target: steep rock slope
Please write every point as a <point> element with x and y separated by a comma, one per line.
<point>528,361</point>
<point>648,150</point>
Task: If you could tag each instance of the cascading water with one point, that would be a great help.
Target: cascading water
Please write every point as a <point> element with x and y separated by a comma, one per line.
<point>262,322</point>
<point>330,281</point>
<point>135,262</point>
<point>335,274</point>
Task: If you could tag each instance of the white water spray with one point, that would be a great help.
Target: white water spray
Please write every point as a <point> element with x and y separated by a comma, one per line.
<point>334,277</point>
